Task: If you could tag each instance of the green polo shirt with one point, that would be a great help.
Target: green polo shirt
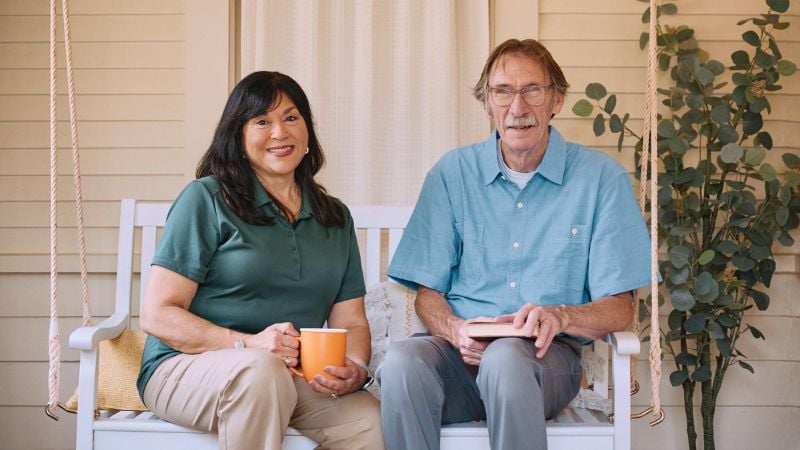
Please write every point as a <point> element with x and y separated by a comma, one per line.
<point>252,276</point>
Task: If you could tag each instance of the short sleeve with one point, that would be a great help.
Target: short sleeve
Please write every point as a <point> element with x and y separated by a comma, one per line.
<point>191,234</point>
<point>619,255</point>
<point>430,247</point>
<point>353,280</point>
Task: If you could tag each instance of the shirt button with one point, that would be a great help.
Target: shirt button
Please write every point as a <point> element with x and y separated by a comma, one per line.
<point>519,205</point>
<point>516,244</point>
<point>513,284</point>
<point>574,231</point>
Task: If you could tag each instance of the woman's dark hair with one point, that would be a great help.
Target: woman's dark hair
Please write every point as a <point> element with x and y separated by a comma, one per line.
<point>256,94</point>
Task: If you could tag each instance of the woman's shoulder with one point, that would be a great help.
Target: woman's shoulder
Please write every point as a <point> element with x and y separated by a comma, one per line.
<point>199,191</point>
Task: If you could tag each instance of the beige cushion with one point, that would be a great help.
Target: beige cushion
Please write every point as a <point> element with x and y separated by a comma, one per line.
<point>119,362</point>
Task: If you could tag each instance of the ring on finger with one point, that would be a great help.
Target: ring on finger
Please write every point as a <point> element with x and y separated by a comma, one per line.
<point>334,395</point>
<point>287,360</point>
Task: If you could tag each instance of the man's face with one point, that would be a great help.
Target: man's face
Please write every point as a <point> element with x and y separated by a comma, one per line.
<point>522,127</point>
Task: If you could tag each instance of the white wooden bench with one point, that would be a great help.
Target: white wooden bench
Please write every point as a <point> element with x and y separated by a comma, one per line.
<point>575,428</point>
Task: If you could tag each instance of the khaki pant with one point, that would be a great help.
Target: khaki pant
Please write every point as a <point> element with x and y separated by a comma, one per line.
<point>249,398</point>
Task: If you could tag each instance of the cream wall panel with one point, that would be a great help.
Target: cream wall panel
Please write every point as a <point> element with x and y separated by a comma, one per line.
<point>94,81</point>
<point>101,187</point>
<point>37,214</point>
<point>94,107</point>
<point>66,263</point>
<point>734,9</point>
<point>25,294</point>
<point>94,134</point>
<point>94,28</point>
<point>33,374</point>
<point>94,161</point>
<point>77,7</point>
<point>95,55</point>
<point>37,240</point>
<point>22,428</point>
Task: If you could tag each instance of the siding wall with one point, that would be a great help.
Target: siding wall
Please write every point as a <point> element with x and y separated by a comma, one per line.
<point>142,130</point>
<point>598,41</point>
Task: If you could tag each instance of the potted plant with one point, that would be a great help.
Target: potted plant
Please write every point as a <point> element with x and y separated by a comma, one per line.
<point>722,206</point>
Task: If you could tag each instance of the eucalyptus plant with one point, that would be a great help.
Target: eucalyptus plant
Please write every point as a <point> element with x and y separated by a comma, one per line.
<point>722,205</point>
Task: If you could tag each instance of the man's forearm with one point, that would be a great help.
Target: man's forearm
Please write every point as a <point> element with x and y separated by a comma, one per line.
<point>598,318</point>
<point>435,313</point>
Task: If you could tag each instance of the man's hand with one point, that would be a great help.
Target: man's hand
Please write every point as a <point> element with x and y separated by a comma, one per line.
<point>551,320</point>
<point>471,350</point>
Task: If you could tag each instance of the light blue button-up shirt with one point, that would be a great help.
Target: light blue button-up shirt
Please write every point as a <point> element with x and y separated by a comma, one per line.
<point>573,234</point>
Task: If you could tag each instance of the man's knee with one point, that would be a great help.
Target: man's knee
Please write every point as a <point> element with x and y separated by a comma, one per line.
<point>509,359</point>
<point>402,359</point>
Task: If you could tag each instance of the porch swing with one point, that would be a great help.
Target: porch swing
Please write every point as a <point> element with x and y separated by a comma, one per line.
<point>120,423</point>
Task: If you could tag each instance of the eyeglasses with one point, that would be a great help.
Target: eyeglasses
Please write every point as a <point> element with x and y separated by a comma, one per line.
<point>532,95</point>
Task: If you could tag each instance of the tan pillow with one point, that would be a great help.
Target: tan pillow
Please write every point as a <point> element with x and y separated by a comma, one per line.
<point>120,359</point>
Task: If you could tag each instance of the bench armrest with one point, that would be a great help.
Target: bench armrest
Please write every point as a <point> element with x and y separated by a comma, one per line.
<point>623,342</point>
<point>88,338</point>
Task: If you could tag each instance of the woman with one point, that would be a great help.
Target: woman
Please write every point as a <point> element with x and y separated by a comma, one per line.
<point>253,250</point>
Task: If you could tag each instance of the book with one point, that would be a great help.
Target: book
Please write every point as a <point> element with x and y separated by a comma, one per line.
<point>484,330</point>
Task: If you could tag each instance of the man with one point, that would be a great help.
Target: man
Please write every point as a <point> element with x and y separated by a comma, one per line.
<point>523,227</point>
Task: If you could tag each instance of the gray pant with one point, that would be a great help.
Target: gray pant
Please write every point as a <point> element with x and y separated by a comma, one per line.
<point>424,384</point>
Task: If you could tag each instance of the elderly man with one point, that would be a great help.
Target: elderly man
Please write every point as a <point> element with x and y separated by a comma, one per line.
<point>524,227</point>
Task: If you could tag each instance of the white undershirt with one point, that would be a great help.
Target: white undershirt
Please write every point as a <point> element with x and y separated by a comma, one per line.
<point>521,179</point>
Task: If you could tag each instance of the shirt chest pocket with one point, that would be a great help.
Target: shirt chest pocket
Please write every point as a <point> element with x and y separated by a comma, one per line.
<point>568,249</point>
<point>471,251</point>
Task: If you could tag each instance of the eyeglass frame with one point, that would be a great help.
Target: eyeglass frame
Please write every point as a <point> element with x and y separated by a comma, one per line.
<point>521,92</point>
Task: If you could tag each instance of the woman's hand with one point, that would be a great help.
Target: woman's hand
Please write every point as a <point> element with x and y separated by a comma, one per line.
<point>349,378</point>
<point>279,340</point>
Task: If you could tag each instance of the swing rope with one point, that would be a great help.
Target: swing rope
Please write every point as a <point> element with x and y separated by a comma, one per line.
<point>650,158</point>
<point>54,344</point>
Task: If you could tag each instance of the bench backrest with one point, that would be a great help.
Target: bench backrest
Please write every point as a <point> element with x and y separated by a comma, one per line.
<point>151,216</point>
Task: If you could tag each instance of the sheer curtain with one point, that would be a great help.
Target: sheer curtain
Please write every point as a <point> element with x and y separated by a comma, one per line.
<point>389,83</point>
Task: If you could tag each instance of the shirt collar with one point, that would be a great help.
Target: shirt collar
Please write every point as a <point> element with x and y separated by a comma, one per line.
<point>263,198</point>
<point>552,166</point>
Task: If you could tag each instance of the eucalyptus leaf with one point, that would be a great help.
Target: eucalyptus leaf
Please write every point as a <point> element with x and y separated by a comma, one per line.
<point>675,319</point>
<point>695,101</point>
<point>743,263</point>
<point>727,320</point>
<point>701,374</point>
<point>740,58</point>
<point>687,175</point>
<point>721,114</point>
<point>744,365</point>
<point>751,37</point>
<point>704,76</point>
<point>731,153</point>
<point>715,67</point>
<point>785,239</point>
<point>754,156</point>
<point>782,216</point>
<point>724,347</point>
<point>686,359</point>
<point>678,377</point>
<point>682,300</point>
<point>706,257</point>
<point>791,160</point>
<point>740,79</point>
<point>765,139</point>
<point>679,256</point>
<point>792,179</point>
<point>696,323</point>
<point>611,103</point>
<point>759,252</point>
<point>751,122</point>
<point>666,128</point>
<point>599,125</point>
<point>767,172</point>
<point>582,108</point>
<point>786,67</point>
<point>596,91</point>
<point>764,59</point>
<point>716,331</point>
<point>785,194</point>
<point>643,39</point>
<point>760,299</point>
<point>727,134</point>
<point>756,332</point>
<point>684,34</point>
<point>669,9</point>
<point>779,6</point>
<point>678,145</point>
<point>615,123</point>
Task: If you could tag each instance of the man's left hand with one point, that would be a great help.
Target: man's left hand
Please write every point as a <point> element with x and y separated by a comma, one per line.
<point>551,320</point>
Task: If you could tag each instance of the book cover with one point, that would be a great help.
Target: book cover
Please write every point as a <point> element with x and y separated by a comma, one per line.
<point>483,330</point>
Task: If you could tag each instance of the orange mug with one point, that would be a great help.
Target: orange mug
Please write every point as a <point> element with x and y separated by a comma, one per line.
<point>319,348</point>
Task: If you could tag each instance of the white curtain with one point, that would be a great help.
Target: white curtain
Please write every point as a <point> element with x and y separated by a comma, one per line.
<point>389,83</point>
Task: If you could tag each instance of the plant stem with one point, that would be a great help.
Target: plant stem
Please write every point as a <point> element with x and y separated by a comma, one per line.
<point>707,407</point>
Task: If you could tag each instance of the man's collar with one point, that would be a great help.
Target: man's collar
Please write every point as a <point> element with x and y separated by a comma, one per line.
<point>552,166</point>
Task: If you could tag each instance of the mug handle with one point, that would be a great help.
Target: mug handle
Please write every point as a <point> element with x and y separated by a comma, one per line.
<point>299,373</point>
